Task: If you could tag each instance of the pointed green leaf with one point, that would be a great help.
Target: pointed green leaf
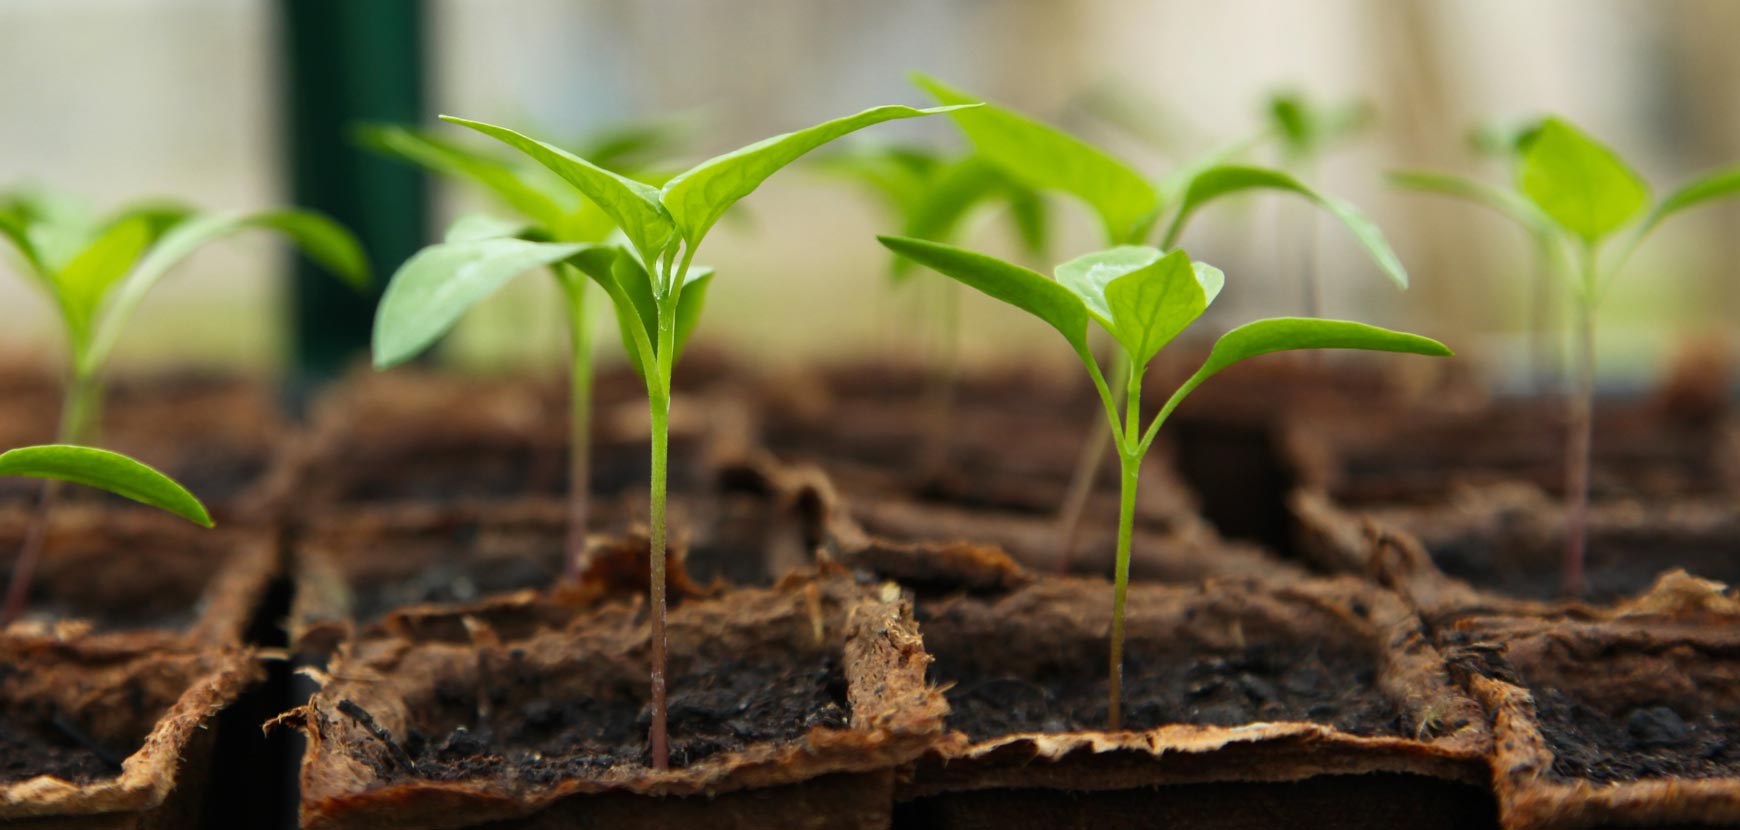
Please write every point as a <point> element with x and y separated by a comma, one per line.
<point>508,183</point>
<point>81,286</point>
<point>697,197</point>
<point>634,206</point>
<point>1580,183</point>
<point>321,239</point>
<point>435,287</point>
<point>1223,180</point>
<point>1143,298</point>
<point>1718,185</point>
<point>1511,204</point>
<point>1293,333</point>
<point>1088,275</point>
<point>1017,286</point>
<point>1046,158</point>
<point>105,470</point>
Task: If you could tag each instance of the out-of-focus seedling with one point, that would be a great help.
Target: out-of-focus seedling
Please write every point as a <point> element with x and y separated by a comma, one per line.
<point>97,270</point>
<point>1143,298</point>
<point>1307,130</point>
<point>101,469</point>
<point>1575,195</point>
<point>652,281</point>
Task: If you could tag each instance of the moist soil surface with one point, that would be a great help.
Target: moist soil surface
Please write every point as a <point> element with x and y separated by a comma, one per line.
<point>1613,569</point>
<point>29,748</point>
<point>716,706</point>
<point>1642,742</point>
<point>1263,683</point>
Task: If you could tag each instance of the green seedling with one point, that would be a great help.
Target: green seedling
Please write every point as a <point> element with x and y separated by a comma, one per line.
<point>1143,298</point>
<point>90,467</point>
<point>1574,195</point>
<point>1307,131</point>
<point>493,251</point>
<point>1131,208</point>
<point>652,281</point>
<point>930,195</point>
<point>97,270</point>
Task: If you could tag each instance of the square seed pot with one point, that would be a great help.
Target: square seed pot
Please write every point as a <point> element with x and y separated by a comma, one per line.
<point>116,734</point>
<point>1322,702</point>
<point>820,685</point>
<point>1624,722</point>
<point>105,571</point>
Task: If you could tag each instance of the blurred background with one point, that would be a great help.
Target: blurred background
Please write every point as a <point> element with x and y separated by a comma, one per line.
<point>234,104</point>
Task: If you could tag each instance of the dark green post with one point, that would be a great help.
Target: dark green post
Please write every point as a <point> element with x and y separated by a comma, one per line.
<point>348,62</point>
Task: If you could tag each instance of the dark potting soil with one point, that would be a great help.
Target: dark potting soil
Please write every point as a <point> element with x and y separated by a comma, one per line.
<point>1614,568</point>
<point>1643,742</point>
<point>453,581</point>
<point>1264,683</point>
<point>29,748</point>
<point>716,706</point>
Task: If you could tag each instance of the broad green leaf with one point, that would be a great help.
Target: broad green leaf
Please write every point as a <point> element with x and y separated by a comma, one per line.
<point>59,227</point>
<point>1046,158</point>
<point>1717,185</point>
<point>1216,182</point>
<point>475,226</point>
<point>508,183</point>
<point>1581,184</point>
<point>1017,286</point>
<point>633,205</point>
<point>1511,204</point>
<point>1293,333</point>
<point>1151,305</point>
<point>321,239</point>
<point>1088,275</point>
<point>697,197</point>
<point>81,286</point>
<point>435,287</point>
<point>105,470</point>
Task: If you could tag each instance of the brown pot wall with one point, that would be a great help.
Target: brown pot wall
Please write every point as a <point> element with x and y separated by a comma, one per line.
<point>840,775</point>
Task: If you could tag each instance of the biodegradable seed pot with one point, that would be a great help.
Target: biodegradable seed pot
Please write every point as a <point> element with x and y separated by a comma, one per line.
<point>1320,703</point>
<point>789,706</point>
<point>111,734</point>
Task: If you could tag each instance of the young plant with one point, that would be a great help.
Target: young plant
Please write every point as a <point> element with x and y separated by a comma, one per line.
<point>101,469</point>
<point>930,196</point>
<point>1143,298</point>
<point>1306,131</point>
<point>652,282</point>
<point>1575,195</point>
<point>494,251</point>
<point>1130,208</point>
<point>98,270</point>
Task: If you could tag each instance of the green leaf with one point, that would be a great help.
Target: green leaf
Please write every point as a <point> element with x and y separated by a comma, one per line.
<point>434,288</point>
<point>1578,182</point>
<point>475,226</point>
<point>634,206</point>
<point>630,289</point>
<point>13,228</point>
<point>81,286</point>
<point>1717,185</point>
<point>1511,204</point>
<point>1293,333</point>
<point>1046,158</point>
<point>508,183</point>
<point>323,240</point>
<point>1017,286</point>
<point>1216,182</point>
<point>952,193</point>
<point>105,470</point>
<point>697,197</point>
<point>898,175</point>
<point>1143,298</point>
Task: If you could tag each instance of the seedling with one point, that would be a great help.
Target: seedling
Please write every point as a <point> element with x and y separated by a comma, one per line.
<point>1130,208</point>
<point>549,211</point>
<point>1142,298</point>
<point>1307,130</point>
<point>930,196</point>
<point>101,469</point>
<point>1574,195</point>
<point>98,270</point>
<point>653,283</point>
